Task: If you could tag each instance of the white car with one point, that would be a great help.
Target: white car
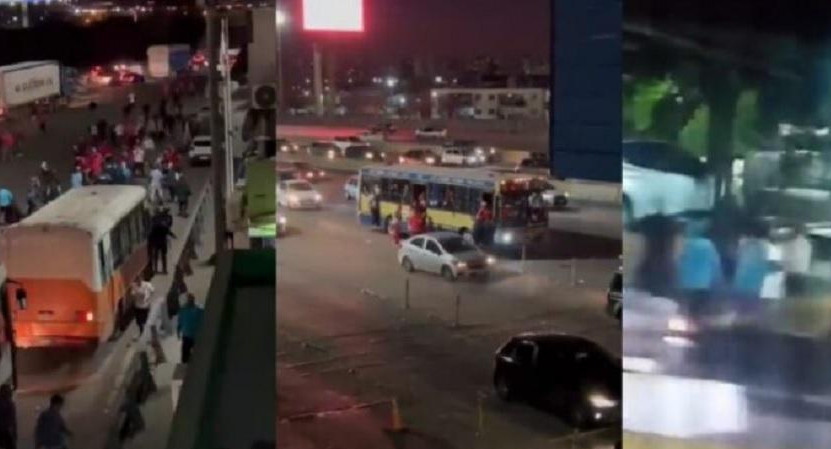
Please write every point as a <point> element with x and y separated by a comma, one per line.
<point>684,185</point>
<point>200,150</point>
<point>553,198</point>
<point>431,132</point>
<point>350,188</point>
<point>344,142</point>
<point>444,253</point>
<point>298,194</point>
<point>461,156</point>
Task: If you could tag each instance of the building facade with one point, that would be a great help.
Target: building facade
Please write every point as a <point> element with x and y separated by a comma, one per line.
<point>489,103</point>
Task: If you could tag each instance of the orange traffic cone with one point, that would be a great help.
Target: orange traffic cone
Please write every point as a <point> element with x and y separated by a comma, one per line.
<point>397,423</point>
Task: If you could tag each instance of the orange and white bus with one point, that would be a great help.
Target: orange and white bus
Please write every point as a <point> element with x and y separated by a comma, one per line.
<point>75,259</point>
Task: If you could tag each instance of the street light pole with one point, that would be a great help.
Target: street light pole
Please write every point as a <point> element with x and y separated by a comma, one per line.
<point>217,154</point>
<point>281,22</point>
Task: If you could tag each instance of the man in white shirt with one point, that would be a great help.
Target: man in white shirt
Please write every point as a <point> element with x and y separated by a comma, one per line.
<point>142,293</point>
<point>156,177</point>
<point>138,161</point>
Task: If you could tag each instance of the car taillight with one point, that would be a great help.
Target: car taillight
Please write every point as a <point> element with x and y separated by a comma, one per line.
<point>85,316</point>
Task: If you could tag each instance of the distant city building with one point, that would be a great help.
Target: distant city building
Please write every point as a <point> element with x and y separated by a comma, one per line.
<point>489,103</point>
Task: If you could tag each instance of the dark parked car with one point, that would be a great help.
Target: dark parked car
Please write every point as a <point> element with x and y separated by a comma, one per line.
<point>569,375</point>
<point>614,295</point>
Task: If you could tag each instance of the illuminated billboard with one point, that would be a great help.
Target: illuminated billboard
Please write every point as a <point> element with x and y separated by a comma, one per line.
<point>333,15</point>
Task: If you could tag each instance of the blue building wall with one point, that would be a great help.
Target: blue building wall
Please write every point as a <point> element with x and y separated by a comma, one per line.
<point>585,133</point>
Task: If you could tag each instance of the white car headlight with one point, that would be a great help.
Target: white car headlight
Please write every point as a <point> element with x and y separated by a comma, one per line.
<point>318,197</point>
<point>680,324</point>
<point>369,155</point>
<point>430,160</point>
<point>507,237</point>
<point>400,160</point>
<point>599,400</point>
<point>490,260</point>
<point>281,220</point>
<point>293,199</point>
<point>461,265</point>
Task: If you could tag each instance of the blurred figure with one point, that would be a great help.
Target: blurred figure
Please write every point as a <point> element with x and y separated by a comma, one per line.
<point>77,178</point>
<point>190,319</point>
<point>183,192</point>
<point>6,203</point>
<point>752,265</point>
<point>657,273</point>
<point>699,264</point>
<point>51,430</point>
<point>8,418</point>
<point>34,198</point>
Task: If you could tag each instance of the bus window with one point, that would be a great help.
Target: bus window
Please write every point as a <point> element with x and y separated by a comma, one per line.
<point>394,190</point>
<point>461,196</point>
<point>435,195</point>
<point>368,185</point>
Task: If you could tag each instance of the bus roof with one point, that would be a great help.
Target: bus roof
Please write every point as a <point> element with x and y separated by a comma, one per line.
<point>464,176</point>
<point>93,209</point>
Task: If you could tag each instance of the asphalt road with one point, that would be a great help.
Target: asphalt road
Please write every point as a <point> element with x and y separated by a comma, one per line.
<point>347,344</point>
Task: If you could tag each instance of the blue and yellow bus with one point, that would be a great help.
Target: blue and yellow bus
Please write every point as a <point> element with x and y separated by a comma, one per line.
<point>453,197</point>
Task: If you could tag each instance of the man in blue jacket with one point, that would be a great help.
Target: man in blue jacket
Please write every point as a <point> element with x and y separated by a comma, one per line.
<point>190,319</point>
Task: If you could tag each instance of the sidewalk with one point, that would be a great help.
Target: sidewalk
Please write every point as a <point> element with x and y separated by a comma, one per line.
<point>158,410</point>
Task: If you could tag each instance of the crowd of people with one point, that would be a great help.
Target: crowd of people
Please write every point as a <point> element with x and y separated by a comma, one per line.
<point>140,145</point>
<point>729,256</point>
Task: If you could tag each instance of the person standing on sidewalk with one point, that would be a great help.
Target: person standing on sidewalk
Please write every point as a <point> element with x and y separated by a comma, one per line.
<point>190,319</point>
<point>142,293</point>
<point>8,418</point>
<point>183,193</point>
<point>51,430</point>
<point>159,234</point>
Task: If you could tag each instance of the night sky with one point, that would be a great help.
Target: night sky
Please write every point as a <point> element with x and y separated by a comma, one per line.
<point>506,29</point>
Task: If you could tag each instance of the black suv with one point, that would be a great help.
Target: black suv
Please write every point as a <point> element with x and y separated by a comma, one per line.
<point>569,375</point>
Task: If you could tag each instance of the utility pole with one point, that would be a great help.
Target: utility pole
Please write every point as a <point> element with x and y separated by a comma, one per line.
<point>217,129</point>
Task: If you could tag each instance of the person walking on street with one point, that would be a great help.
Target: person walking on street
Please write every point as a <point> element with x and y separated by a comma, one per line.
<point>77,178</point>
<point>138,161</point>
<point>169,184</point>
<point>51,430</point>
<point>190,319</point>
<point>6,203</point>
<point>183,193</point>
<point>49,182</point>
<point>34,199</point>
<point>142,293</point>
<point>8,418</point>
<point>156,328</point>
<point>155,190</point>
<point>160,233</point>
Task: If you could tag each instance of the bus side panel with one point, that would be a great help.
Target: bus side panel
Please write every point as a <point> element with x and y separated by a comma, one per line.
<point>116,289</point>
<point>450,220</point>
<point>56,313</point>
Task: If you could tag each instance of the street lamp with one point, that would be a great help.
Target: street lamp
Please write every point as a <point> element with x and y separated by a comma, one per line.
<point>281,19</point>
